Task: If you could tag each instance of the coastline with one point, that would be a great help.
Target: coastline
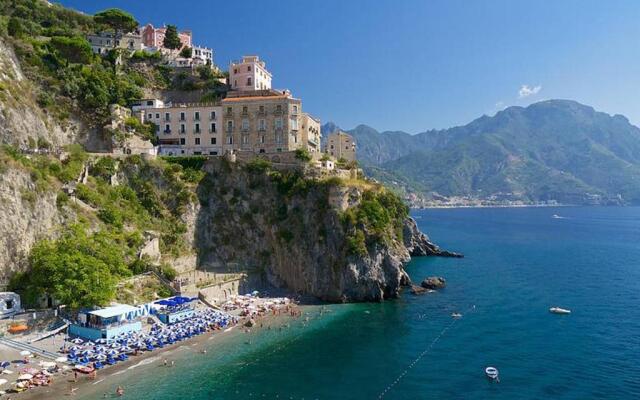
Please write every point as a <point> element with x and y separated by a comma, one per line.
<point>497,206</point>
<point>63,383</point>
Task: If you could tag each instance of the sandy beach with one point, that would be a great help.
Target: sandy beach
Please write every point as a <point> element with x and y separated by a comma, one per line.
<point>64,385</point>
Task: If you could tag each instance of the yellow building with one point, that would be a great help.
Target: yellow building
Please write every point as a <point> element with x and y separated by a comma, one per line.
<point>341,146</point>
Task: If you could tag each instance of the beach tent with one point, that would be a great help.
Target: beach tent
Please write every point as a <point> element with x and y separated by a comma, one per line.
<point>25,377</point>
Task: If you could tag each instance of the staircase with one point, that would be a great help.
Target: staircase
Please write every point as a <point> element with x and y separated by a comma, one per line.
<point>14,344</point>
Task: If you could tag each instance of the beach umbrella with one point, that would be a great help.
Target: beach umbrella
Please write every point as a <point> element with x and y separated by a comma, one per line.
<point>25,353</point>
<point>102,341</point>
<point>87,352</point>
<point>61,359</point>
<point>77,341</point>
<point>101,357</point>
<point>75,348</point>
<point>113,352</point>
<point>7,371</point>
<point>89,344</point>
<point>25,377</point>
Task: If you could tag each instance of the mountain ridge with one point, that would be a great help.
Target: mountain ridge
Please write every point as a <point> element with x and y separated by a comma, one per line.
<point>553,151</point>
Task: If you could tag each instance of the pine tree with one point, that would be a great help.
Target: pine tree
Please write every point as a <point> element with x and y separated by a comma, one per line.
<point>171,39</point>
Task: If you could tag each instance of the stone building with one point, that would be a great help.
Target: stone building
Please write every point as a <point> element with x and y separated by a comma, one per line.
<point>249,74</point>
<point>311,132</point>
<point>262,121</point>
<point>103,42</point>
<point>187,129</point>
<point>341,146</point>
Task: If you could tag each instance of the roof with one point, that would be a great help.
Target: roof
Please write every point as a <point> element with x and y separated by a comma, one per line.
<point>256,98</point>
<point>113,311</point>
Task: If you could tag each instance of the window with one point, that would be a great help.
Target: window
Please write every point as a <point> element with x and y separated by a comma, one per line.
<point>278,137</point>
<point>278,123</point>
<point>167,117</point>
<point>213,140</point>
<point>278,108</point>
<point>167,128</point>
<point>182,116</point>
<point>295,109</point>
<point>212,115</point>
<point>262,125</point>
<point>149,116</point>
<point>245,124</point>
<point>149,102</point>
<point>235,70</point>
<point>212,128</point>
<point>197,141</point>
<point>293,122</point>
<point>245,109</point>
<point>158,115</point>
<point>229,126</point>
<point>249,81</point>
<point>197,153</point>
<point>261,138</point>
<point>197,129</point>
<point>196,116</point>
<point>183,141</point>
<point>213,153</point>
<point>230,140</point>
<point>262,109</point>
<point>249,68</point>
<point>261,151</point>
<point>245,139</point>
<point>235,83</point>
<point>229,110</point>
<point>295,138</point>
<point>182,128</point>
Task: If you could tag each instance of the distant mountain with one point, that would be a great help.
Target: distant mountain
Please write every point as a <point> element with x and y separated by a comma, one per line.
<point>555,150</point>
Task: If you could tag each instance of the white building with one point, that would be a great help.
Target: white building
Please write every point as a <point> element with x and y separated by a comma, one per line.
<point>249,74</point>
<point>203,53</point>
<point>146,103</point>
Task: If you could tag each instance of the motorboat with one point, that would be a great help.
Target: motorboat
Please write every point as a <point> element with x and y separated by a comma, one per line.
<point>492,373</point>
<point>558,310</point>
<point>456,315</point>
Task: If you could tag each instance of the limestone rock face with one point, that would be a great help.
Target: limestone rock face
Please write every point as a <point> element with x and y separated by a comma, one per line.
<point>297,241</point>
<point>25,217</point>
<point>434,282</point>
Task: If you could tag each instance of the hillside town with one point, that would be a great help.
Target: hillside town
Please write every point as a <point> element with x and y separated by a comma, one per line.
<point>252,117</point>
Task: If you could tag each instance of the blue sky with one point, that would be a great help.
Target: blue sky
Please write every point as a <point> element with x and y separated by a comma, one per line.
<point>414,65</point>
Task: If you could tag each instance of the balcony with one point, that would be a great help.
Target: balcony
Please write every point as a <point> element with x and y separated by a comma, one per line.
<point>167,131</point>
<point>197,131</point>
<point>212,117</point>
<point>212,130</point>
<point>229,130</point>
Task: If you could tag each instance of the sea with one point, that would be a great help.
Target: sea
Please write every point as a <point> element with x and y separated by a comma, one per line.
<point>518,263</point>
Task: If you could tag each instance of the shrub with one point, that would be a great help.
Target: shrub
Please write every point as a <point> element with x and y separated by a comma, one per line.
<point>356,244</point>
<point>258,165</point>
<point>168,272</point>
<point>186,52</point>
<point>303,155</point>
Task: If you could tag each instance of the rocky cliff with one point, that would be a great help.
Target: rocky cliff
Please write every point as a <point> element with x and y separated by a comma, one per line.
<point>295,232</point>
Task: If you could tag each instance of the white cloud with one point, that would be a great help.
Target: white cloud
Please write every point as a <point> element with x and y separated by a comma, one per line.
<point>526,91</point>
<point>500,105</point>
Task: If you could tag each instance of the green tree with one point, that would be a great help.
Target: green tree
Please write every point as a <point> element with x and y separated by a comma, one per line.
<point>120,22</point>
<point>73,49</point>
<point>79,270</point>
<point>171,39</point>
<point>14,28</point>
<point>186,52</point>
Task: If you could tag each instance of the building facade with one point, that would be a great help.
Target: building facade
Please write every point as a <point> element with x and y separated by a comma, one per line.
<point>311,132</point>
<point>187,129</point>
<point>103,42</point>
<point>265,121</point>
<point>249,74</point>
<point>154,37</point>
<point>341,146</point>
<point>203,53</point>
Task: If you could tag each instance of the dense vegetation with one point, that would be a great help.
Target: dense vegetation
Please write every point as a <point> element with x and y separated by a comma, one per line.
<point>552,150</point>
<point>54,53</point>
<point>153,195</point>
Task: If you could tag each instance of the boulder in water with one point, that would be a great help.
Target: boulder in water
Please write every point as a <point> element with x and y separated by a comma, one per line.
<point>434,282</point>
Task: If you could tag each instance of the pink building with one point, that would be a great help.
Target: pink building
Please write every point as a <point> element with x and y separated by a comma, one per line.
<point>154,37</point>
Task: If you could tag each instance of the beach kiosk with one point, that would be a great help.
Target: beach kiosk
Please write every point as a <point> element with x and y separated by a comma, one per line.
<point>174,309</point>
<point>106,323</point>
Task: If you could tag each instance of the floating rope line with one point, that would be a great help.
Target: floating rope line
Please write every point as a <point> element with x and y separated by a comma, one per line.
<point>417,359</point>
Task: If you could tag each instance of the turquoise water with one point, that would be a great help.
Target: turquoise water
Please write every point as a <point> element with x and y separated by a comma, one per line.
<point>519,262</point>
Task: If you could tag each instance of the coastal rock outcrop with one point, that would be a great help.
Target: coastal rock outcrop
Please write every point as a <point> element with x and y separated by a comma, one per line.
<point>434,282</point>
<point>286,230</point>
<point>419,244</point>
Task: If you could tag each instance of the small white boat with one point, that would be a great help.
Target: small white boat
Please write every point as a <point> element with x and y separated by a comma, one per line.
<point>492,373</point>
<point>558,310</point>
<point>556,216</point>
<point>456,315</point>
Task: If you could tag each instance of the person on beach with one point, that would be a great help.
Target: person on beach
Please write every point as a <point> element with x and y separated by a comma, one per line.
<point>165,362</point>
<point>75,376</point>
<point>120,391</point>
